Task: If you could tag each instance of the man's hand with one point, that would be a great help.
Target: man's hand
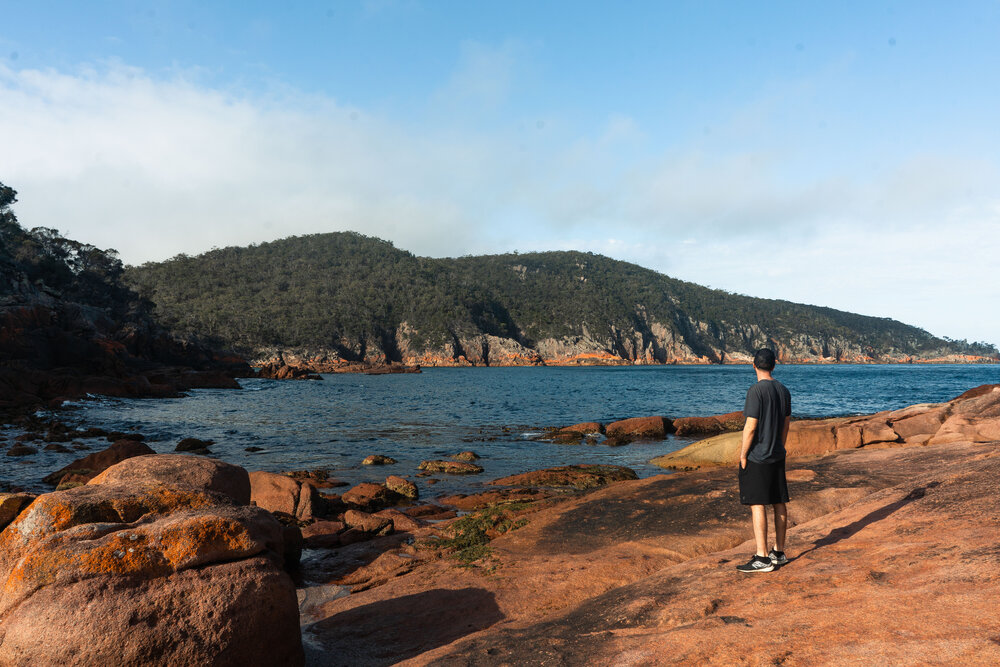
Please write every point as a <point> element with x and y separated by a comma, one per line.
<point>748,430</point>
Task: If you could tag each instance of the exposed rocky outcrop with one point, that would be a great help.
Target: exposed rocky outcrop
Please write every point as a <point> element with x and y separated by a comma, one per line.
<point>566,308</point>
<point>155,562</point>
<point>653,428</point>
<point>641,572</point>
<point>972,417</point>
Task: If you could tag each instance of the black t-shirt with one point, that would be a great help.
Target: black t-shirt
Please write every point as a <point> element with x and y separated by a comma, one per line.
<point>769,402</point>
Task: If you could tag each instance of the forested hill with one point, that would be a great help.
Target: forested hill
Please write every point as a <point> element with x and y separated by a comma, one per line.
<point>347,297</point>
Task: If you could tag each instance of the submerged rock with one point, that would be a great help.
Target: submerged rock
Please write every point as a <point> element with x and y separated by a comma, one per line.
<point>451,467</point>
<point>378,460</point>
<point>193,445</point>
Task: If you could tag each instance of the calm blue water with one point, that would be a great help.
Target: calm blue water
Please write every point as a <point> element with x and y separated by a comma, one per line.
<point>493,411</point>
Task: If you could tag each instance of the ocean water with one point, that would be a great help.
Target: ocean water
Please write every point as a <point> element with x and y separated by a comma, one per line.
<point>496,412</point>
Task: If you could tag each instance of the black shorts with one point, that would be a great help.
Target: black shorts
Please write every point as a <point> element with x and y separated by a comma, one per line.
<point>763,483</point>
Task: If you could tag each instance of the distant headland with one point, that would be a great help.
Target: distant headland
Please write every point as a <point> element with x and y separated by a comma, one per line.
<point>344,301</point>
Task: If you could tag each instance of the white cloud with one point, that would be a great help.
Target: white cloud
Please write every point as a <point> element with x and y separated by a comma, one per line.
<point>117,158</point>
<point>154,168</point>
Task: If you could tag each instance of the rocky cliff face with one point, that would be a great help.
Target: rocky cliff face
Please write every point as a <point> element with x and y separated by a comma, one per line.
<point>683,341</point>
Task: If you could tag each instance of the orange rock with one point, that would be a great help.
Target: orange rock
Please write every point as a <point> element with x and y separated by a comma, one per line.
<point>370,497</point>
<point>11,505</point>
<point>400,522</point>
<point>132,571</point>
<point>403,487</point>
<point>369,523</point>
<point>812,437</point>
<point>280,493</point>
<point>378,460</point>
<point>180,470</point>
<point>731,421</point>
<point>94,463</point>
<point>639,427</point>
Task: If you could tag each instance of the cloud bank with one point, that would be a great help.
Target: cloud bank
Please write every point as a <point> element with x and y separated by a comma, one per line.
<point>154,167</point>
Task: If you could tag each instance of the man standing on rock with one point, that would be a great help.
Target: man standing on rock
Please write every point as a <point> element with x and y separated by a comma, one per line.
<point>768,411</point>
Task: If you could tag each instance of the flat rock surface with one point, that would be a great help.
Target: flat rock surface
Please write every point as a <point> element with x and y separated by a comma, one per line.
<point>904,575</point>
<point>640,557</point>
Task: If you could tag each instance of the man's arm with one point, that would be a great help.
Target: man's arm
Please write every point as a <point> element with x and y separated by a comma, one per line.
<point>748,430</point>
<point>784,431</point>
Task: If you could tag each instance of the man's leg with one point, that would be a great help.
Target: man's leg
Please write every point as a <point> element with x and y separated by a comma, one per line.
<point>760,529</point>
<point>780,525</point>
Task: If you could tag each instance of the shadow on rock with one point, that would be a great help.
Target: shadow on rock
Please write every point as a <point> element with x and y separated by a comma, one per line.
<point>390,631</point>
<point>844,532</point>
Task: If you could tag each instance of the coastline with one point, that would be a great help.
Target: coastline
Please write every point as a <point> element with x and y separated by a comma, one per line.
<point>298,365</point>
<point>554,554</point>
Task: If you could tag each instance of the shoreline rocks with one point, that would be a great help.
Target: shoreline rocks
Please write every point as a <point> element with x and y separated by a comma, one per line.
<point>972,417</point>
<point>150,563</point>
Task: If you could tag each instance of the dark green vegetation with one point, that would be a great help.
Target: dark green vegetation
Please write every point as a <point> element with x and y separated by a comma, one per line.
<point>471,535</point>
<point>66,268</point>
<point>69,326</point>
<point>353,294</point>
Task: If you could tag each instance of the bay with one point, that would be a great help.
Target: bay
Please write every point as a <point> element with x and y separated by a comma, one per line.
<point>496,412</point>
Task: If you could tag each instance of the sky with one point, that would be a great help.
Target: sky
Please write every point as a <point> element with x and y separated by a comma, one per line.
<point>839,154</point>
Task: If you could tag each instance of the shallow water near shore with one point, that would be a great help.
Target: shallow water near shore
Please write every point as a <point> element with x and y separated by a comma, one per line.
<point>495,412</point>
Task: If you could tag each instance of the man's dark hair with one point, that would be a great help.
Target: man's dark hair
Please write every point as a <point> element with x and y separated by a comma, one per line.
<point>764,359</point>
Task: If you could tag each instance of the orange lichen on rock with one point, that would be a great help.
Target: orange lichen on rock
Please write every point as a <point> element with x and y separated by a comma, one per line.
<point>79,566</point>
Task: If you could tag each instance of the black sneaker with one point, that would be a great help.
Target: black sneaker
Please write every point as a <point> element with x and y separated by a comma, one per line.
<point>777,557</point>
<point>757,564</point>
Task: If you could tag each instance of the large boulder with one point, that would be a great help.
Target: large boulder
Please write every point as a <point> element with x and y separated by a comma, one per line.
<point>181,470</point>
<point>88,466</point>
<point>370,497</point>
<point>649,428</point>
<point>718,450</point>
<point>130,570</point>
<point>281,493</point>
<point>974,417</point>
<point>731,421</point>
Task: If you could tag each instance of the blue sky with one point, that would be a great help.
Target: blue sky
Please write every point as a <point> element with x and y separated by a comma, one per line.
<point>841,154</point>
